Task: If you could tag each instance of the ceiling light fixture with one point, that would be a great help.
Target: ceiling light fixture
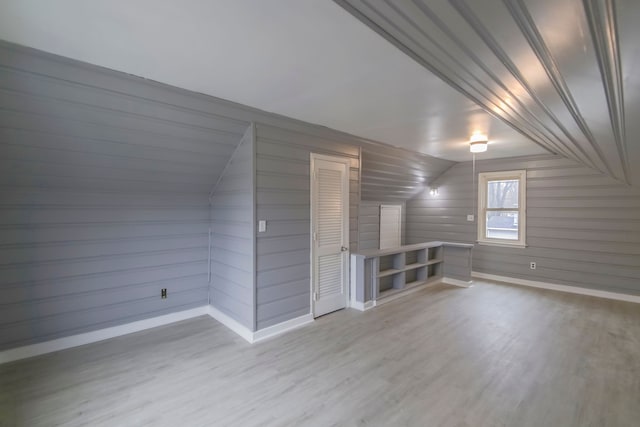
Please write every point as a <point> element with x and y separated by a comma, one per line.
<point>478,143</point>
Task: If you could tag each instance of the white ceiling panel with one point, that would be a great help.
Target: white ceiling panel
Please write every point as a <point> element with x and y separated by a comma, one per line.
<point>558,71</point>
<point>306,59</point>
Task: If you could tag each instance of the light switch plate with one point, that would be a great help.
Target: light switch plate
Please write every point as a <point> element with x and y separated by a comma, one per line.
<point>262,226</point>
<point>469,217</point>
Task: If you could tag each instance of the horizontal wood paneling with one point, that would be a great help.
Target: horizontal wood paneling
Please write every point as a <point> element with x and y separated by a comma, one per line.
<point>283,200</point>
<point>369,223</point>
<point>457,263</point>
<point>232,238</point>
<point>568,98</point>
<point>75,321</point>
<point>394,175</point>
<point>120,281</point>
<point>104,179</point>
<point>583,228</point>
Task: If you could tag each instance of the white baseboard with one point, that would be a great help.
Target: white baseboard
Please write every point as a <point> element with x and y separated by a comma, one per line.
<point>140,325</point>
<point>99,335</point>
<point>230,323</point>
<point>456,282</point>
<point>262,334</point>
<point>283,327</point>
<point>561,288</point>
<point>362,306</point>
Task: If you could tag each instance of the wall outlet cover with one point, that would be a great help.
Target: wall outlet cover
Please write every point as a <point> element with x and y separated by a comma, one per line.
<point>470,217</point>
<point>262,226</point>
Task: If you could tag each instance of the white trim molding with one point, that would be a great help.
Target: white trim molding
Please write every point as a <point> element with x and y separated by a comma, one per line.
<point>562,288</point>
<point>283,327</point>
<point>38,349</point>
<point>231,323</point>
<point>261,334</point>
<point>457,282</point>
<point>99,335</point>
<point>362,306</point>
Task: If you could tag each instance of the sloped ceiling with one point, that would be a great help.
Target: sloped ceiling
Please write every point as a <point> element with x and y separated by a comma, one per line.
<point>306,59</point>
<point>69,125</point>
<point>562,73</point>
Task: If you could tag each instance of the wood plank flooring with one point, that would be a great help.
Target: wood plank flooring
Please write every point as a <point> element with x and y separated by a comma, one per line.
<point>491,355</point>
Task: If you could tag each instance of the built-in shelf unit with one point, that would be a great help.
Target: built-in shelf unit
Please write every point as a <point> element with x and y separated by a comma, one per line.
<point>382,273</point>
<point>404,270</point>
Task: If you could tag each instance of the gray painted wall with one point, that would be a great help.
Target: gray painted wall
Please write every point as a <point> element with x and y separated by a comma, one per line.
<point>233,242</point>
<point>457,263</point>
<point>283,200</point>
<point>104,179</point>
<point>583,228</point>
<point>104,185</point>
<point>394,175</point>
<point>391,176</point>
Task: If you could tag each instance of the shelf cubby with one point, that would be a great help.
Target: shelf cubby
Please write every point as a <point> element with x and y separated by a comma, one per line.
<point>383,273</point>
<point>406,269</point>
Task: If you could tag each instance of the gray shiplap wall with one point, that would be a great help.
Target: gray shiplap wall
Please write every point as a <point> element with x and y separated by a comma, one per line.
<point>104,179</point>
<point>457,263</point>
<point>394,175</point>
<point>391,175</point>
<point>232,240</point>
<point>283,200</point>
<point>369,223</point>
<point>583,228</point>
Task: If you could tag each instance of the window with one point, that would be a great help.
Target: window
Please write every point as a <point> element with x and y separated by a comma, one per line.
<point>501,208</point>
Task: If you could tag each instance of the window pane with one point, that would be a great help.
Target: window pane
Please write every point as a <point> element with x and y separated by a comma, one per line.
<point>502,194</point>
<point>502,225</point>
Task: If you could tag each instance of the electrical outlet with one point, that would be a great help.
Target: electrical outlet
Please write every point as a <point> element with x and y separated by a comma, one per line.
<point>262,226</point>
<point>469,217</point>
<point>532,265</point>
<point>163,293</point>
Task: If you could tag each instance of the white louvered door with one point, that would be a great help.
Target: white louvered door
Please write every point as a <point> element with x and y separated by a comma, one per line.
<point>330,233</point>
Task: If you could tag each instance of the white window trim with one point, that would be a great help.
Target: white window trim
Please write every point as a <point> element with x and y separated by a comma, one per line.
<point>483,179</point>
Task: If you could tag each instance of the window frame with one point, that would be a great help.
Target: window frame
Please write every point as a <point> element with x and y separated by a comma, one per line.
<point>483,180</point>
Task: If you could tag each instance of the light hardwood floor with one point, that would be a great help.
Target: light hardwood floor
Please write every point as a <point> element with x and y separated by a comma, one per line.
<point>491,355</point>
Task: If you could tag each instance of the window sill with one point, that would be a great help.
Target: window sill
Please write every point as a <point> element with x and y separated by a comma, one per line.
<point>501,244</point>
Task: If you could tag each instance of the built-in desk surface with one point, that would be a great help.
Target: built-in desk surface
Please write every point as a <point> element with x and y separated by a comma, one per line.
<point>368,253</point>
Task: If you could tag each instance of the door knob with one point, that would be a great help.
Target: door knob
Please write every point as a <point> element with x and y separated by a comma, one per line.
<point>343,249</point>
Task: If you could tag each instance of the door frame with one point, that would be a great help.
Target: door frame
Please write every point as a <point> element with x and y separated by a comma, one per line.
<point>345,214</point>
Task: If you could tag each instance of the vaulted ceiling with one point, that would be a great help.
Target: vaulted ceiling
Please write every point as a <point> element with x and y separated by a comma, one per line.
<point>306,59</point>
<point>537,75</point>
<point>559,72</point>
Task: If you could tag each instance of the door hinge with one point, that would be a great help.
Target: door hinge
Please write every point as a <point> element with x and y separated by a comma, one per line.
<point>315,296</point>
